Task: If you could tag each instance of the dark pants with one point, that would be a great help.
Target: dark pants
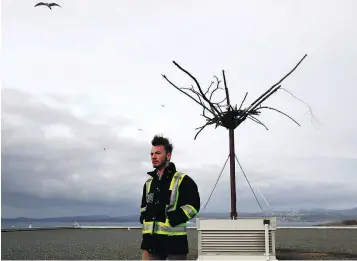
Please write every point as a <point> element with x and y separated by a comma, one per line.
<point>156,256</point>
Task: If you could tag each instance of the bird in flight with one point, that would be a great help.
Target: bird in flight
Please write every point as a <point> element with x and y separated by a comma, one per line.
<point>49,5</point>
<point>140,129</point>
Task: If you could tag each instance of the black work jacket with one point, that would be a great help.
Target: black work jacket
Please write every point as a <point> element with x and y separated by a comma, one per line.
<point>155,210</point>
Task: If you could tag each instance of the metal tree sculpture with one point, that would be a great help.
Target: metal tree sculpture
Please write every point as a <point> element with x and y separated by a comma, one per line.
<point>232,116</point>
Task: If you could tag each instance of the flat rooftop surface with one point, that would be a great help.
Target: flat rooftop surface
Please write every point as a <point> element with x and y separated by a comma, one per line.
<point>118,244</point>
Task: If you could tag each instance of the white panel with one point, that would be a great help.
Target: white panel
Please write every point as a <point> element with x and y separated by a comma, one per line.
<point>235,239</point>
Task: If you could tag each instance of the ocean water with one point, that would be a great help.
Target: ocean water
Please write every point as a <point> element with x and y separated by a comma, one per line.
<point>298,224</point>
<point>11,224</point>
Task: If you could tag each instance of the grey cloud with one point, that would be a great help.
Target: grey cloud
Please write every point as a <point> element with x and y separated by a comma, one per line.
<point>53,154</point>
<point>43,176</point>
<point>62,169</point>
<point>17,204</point>
<point>300,195</point>
<point>293,183</point>
<point>73,174</point>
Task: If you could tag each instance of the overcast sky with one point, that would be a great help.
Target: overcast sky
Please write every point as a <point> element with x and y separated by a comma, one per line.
<point>87,76</point>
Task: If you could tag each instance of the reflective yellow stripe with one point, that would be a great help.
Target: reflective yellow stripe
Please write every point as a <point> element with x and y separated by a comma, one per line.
<point>162,228</point>
<point>189,210</point>
<point>147,227</point>
<point>148,185</point>
<point>174,187</point>
<point>167,223</point>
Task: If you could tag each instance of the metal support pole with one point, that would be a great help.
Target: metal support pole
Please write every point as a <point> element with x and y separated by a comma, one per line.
<point>232,175</point>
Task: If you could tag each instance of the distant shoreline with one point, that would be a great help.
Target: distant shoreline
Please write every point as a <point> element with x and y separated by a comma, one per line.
<point>349,222</point>
<point>303,215</point>
<point>328,227</point>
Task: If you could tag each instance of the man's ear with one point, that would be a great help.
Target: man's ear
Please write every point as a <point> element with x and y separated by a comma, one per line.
<point>168,156</point>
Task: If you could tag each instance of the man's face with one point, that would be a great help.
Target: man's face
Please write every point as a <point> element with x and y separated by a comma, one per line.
<point>159,157</point>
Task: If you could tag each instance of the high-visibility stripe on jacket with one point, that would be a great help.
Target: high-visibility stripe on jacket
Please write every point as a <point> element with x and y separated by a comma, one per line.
<point>164,228</point>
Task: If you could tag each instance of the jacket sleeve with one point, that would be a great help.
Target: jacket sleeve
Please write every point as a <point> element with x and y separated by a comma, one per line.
<point>188,204</point>
<point>143,205</point>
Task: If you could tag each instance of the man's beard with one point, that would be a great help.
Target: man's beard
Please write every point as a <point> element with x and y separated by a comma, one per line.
<point>163,164</point>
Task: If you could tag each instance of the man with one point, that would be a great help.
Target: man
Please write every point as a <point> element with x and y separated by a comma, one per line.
<point>170,199</point>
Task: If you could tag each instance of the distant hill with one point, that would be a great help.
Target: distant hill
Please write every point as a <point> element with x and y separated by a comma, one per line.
<point>90,218</point>
<point>331,214</point>
<point>351,222</point>
<point>301,215</point>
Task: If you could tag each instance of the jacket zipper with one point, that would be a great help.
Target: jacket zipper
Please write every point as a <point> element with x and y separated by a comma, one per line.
<point>153,226</point>
<point>154,200</point>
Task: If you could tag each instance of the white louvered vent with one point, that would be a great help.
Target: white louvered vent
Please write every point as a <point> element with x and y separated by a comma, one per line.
<point>240,239</point>
<point>215,241</point>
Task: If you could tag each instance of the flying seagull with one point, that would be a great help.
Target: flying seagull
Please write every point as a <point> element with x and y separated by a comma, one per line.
<point>49,5</point>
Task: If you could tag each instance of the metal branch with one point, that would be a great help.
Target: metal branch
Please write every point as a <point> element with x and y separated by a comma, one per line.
<point>217,87</point>
<point>178,88</point>
<point>195,92</point>
<point>209,122</point>
<point>211,94</point>
<point>266,107</point>
<point>199,98</point>
<point>272,87</point>
<point>201,102</point>
<point>243,100</point>
<point>257,121</point>
<point>266,97</point>
<point>233,116</point>
<point>216,113</point>
<point>209,87</point>
<point>219,103</point>
<point>262,98</point>
<point>227,92</point>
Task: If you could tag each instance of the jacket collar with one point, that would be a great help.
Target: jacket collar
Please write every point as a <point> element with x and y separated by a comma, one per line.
<point>169,170</point>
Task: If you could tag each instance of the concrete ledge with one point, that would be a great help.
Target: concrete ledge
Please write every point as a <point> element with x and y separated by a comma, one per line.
<point>121,227</point>
<point>320,227</point>
<point>35,229</point>
<point>138,227</point>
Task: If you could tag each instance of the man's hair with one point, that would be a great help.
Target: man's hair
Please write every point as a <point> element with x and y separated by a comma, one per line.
<point>159,140</point>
